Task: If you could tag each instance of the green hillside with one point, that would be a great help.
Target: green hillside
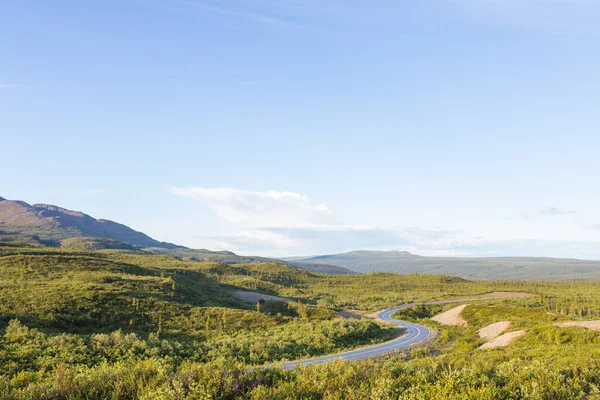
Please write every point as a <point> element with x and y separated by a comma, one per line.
<point>186,306</point>
<point>87,243</point>
<point>514,268</point>
<point>82,324</point>
<point>232,258</point>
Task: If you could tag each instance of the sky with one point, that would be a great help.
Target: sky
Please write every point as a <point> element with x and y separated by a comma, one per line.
<point>302,127</point>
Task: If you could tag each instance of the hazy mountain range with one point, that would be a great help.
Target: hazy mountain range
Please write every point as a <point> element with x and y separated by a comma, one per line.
<point>49,225</point>
<point>401,262</point>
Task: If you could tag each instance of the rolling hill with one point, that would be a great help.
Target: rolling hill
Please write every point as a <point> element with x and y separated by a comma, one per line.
<point>522,268</point>
<point>229,257</point>
<point>50,225</point>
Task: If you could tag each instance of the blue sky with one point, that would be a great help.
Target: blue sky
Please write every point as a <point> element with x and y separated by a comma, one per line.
<point>289,127</point>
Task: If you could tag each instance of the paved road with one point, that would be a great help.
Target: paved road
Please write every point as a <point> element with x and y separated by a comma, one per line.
<point>415,335</point>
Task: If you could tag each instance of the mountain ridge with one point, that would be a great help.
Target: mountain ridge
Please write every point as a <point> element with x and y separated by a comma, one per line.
<point>51,225</point>
<point>48,224</point>
<point>527,268</point>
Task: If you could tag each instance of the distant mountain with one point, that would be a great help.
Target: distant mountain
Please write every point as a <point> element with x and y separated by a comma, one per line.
<point>521,268</point>
<point>49,225</point>
<point>232,258</point>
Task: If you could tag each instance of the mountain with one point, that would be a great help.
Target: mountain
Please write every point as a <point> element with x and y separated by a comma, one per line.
<point>522,268</point>
<point>49,225</point>
<point>228,257</point>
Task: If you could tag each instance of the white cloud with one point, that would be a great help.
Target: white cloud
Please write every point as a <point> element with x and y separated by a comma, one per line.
<point>301,241</point>
<point>245,15</point>
<point>549,211</point>
<point>280,242</point>
<point>546,212</point>
<point>271,208</point>
<point>529,247</point>
<point>429,235</point>
<point>13,86</point>
<point>271,14</point>
<point>277,222</point>
<point>254,241</point>
<point>326,15</point>
<point>283,223</point>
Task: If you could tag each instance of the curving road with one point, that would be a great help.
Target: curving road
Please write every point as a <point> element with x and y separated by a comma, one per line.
<point>415,335</point>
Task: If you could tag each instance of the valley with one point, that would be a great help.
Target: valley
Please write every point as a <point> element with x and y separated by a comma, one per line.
<point>97,317</point>
<point>108,318</point>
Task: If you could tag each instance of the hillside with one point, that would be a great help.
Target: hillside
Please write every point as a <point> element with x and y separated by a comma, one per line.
<point>514,268</point>
<point>232,258</point>
<point>80,324</point>
<point>49,225</point>
<point>85,243</point>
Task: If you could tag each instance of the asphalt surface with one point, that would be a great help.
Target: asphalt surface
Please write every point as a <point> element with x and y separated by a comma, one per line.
<point>415,335</point>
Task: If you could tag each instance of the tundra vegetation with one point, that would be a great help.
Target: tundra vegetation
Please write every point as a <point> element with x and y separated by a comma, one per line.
<point>116,324</point>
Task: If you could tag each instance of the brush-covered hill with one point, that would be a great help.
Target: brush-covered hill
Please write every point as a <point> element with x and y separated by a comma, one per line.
<point>157,305</point>
<point>514,268</point>
<point>232,258</point>
<point>87,243</point>
<point>81,324</point>
<point>49,225</point>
